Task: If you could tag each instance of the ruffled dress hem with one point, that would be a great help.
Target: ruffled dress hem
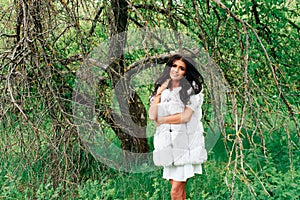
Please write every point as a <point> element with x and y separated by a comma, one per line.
<point>182,172</point>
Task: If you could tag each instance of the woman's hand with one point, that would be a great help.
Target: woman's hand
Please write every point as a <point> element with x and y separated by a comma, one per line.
<point>153,107</point>
<point>163,87</point>
<point>160,120</point>
<point>157,123</point>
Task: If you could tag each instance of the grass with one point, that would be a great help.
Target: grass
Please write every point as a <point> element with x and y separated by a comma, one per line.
<point>19,181</point>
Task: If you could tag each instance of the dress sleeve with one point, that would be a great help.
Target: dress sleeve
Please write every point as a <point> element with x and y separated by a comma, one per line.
<point>195,101</point>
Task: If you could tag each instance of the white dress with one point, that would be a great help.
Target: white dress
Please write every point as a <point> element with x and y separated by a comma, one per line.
<point>182,166</point>
<point>181,172</point>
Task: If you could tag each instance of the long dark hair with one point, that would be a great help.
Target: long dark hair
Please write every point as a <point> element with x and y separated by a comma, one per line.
<point>192,78</point>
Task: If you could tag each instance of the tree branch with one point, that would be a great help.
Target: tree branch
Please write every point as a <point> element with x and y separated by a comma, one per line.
<point>8,35</point>
<point>160,59</point>
<point>255,12</point>
<point>95,21</point>
<point>287,104</point>
<point>293,24</point>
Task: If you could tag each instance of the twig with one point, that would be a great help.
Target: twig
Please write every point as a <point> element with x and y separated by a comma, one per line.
<point>287,104</point>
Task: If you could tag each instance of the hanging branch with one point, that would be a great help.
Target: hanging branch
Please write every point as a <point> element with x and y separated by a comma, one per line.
<point>245,56</point>
<point>287,104</point>
<point>160,59</point>
<point>199,23</point>
<point>94,24</point>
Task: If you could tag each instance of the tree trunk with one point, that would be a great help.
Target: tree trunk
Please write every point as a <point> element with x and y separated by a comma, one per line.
<point>131,126</point>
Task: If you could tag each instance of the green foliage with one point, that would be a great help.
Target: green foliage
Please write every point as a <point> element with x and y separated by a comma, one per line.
<point>99,182</point>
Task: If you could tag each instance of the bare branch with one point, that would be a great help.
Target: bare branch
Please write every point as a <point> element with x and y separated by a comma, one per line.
<point>160,59</point>
<point>95,21</point>
<point>270,64</point>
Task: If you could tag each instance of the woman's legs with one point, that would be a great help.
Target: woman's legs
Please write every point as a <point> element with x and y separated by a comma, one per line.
<point>178,191</point>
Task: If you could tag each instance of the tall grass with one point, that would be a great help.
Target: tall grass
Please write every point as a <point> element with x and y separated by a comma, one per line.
<point>18,180</point>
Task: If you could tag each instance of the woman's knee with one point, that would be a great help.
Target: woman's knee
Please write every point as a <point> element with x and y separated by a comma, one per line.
<point>176,193</point>
<point>177,189</point>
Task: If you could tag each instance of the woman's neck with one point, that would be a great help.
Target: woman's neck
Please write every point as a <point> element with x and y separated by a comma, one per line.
<point>175,84</point>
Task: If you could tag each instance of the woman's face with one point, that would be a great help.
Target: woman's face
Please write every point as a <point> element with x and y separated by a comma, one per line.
<point>178,70</point>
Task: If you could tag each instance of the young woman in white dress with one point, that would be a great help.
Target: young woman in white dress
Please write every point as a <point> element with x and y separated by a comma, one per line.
<point>176,109</point>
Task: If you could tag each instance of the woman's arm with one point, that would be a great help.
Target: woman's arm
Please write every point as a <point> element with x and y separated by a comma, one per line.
<point>153,107</point>
<point>178,118</point>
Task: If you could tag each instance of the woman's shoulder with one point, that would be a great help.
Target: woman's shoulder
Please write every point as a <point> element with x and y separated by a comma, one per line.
<point>195,101</point>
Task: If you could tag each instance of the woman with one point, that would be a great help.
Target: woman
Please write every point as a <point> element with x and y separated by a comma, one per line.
<point>176,109</point>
